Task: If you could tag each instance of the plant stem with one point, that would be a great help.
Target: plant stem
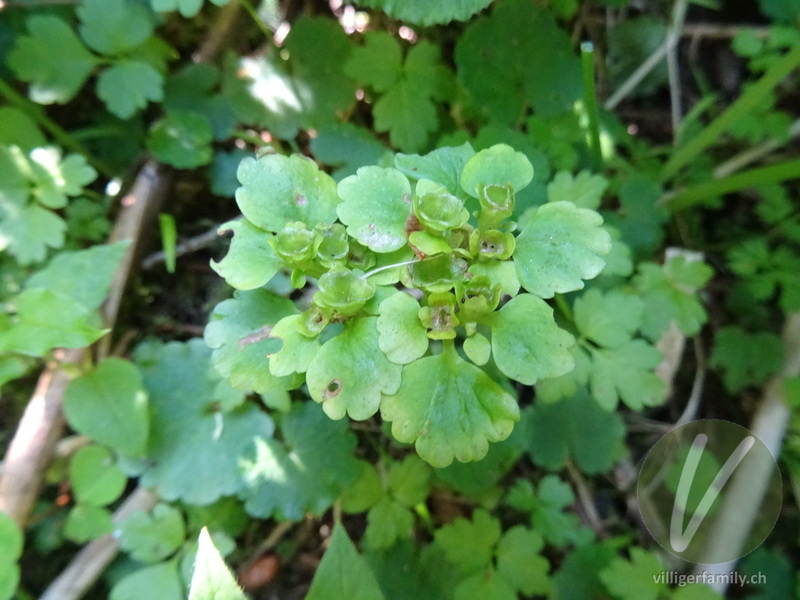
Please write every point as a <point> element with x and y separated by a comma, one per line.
<point>257,19</point>
<point>61,136</point>
<point>387,267</point>
<point>746,179</point>
<point>746,103</point>
<point>590,102</point>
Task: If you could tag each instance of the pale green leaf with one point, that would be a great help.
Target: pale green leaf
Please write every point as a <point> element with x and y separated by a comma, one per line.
<point>634,580</point>
<point>584,190</point>
<point>608,319</point>
<point>349,374</point>
<point>478,349</point>
<point>499,272</point>
<point>499,165</point>
<point>469,545</point>
<point>11,539</point>
<point>29,232</point>
<point>55,178</point>
<point>376,205</point>
<point>96,479</point>
<point>251,261</point>
<point>114,26</point>
<point>212,580</point>
<point>403,338</point>
<point>626,373</point>
<point>526,342</point>
<point>560,247</point>
<point>387,522</point>
<point>54,76</point>
<point>297,350</point>
<point>343,573</point>
<point>410,480</point>
<point>47,320</point>
<point>277,190</point>
<point>442,166</point>
<point>151,537</point>
<point>83,275</point>
<point>450,409</point>
<point>483,586</point>
<point>239,332</point>
<point>128,86</point>
<point>109,405</point>
<point>366,491</point>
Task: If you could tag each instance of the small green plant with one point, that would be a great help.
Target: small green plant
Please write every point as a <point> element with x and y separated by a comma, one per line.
<point>442,226</point>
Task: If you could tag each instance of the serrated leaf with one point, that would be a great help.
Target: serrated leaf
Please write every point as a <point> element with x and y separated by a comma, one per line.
<point>626,373</point>
<point>499,165</point>
<point>526,342</point>
<point>578,576</point>
<point>455,417</point>
<point>109,405</point>
<point>378,63</point>
<point>408,117</point>
<point>194,448</point>
<point>29,232</point>
<point>387,522</point>
<point>47,320</point>
<point>212,580</point>
<point>376,203</point>
<point>161,581</point>
<point>54,76</point>
<point>420,12</point>
<point>560,247</point>
<point>608,319</point>
<point>251,261</point>
<point>182,140</point>
<point>366,491</point>
<point>505,69</point>
<point>584,190</point>
<point>83,275</point>
<point>670,293</point>
<point>297,350</point>
<point>634,580</point>
<point>55,178</point>
<point>410,480</point>
<point>483,586</point>
<point>343,573</point>
<point>575,427</point>
<point>238,331</point>
<point>113,26</point>
<point>745,358</point>
<point>187,8</point>
<point>469,545</point>
<point>85,523</point>
<point>442,166</point>
<point>151,537</point>
<point>96,479</point>
<point>349,374</point>
<point>128,86</point>
<point>306,472</point>
<point>277,190</point>
<point>519,562</point>
<point>403,338</point>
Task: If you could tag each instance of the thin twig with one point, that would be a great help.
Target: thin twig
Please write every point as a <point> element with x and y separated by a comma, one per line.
<point>84,569</point>
<point>751,155</point>
<point>673,67</point>
<point>188,246</point>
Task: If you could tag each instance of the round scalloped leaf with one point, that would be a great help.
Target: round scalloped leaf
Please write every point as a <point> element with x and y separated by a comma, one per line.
<point>277,190</point>
<point>424,12</point>
<point>403,338</point>
<point>450,409</point>
<point>96,478</point>
<point>251,261</point>
<point>182,140</point>
<point>297,350</point>
<point>350,372</point>
<point>560,247</point>
<point>526,342</point>
<point>376,204</point>
<point>239,332</point>
<point>478,349</point>
<point>499,165</point>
